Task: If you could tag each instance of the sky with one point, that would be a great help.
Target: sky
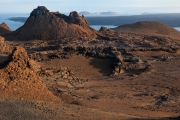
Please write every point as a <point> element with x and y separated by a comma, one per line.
<point>120,6</point>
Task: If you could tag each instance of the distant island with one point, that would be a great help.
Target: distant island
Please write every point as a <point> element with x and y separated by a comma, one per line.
<point>85,13</point>
<point>18,19</point>
<point>97,19</point>
<point>109,13</point>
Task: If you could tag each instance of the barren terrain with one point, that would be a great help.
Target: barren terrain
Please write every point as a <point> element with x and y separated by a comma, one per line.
<point>112,75</point>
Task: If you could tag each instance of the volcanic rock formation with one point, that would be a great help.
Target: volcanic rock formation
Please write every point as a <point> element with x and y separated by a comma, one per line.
<point>149,28</point>
<point>4,28</point>
<point>4,46</point>
<point>19,80</point>
<point>45,25</point>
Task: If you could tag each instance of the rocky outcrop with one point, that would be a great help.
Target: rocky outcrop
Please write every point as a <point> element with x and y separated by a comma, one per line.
<point>19,79</point>
<point>4,29</point>
<point>45,25</point>
<point>1,40</point>
<point>119,65</point>
<point>4,47</point>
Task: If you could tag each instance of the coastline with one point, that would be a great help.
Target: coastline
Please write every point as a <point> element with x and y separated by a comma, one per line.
<point>15,20</point>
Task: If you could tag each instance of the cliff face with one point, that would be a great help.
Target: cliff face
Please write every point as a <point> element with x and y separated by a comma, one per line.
<point>45,25</point>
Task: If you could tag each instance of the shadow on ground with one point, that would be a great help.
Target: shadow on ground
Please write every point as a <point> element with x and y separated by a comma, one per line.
<point>105,66</point>
<point>169,118</point>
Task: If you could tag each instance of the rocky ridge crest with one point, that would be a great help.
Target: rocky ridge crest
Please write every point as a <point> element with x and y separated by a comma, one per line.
<point>45,25</point>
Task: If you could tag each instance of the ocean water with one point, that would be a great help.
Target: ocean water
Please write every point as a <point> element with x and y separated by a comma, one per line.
<point>177,28</point>
<point>15,25</point>
<point>97,27</point>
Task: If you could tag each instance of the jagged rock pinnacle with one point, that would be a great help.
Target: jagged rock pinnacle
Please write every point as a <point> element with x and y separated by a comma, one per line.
<point>73,14</point>
<point>40,10</point>
<point>45,25</point>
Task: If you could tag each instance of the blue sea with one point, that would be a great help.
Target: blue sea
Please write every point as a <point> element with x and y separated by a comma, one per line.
<point>177,28</point>
<point>15,25</point>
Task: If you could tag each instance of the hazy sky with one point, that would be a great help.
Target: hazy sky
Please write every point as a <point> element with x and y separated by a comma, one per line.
<point>121,6</point>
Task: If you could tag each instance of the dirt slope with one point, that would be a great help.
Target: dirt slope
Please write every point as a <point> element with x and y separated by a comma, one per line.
<point>4,28</point>
<point>19,79</point>
<point>149,28</point>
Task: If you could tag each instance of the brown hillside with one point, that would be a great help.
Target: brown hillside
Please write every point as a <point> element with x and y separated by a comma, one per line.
<point>45,25</point>
<point>19,80</point>
<point>4,28</point>
<point>150,28</point>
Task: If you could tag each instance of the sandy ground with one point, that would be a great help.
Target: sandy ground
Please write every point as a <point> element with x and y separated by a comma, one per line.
<point>92,92</point>
<point>28,110</point>
<point>149,95</point>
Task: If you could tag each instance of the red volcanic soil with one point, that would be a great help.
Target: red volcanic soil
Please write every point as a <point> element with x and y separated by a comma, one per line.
<point>19,79</point>
<point>4,29</point>
<point>149,28</point>
<point>67,72</point>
